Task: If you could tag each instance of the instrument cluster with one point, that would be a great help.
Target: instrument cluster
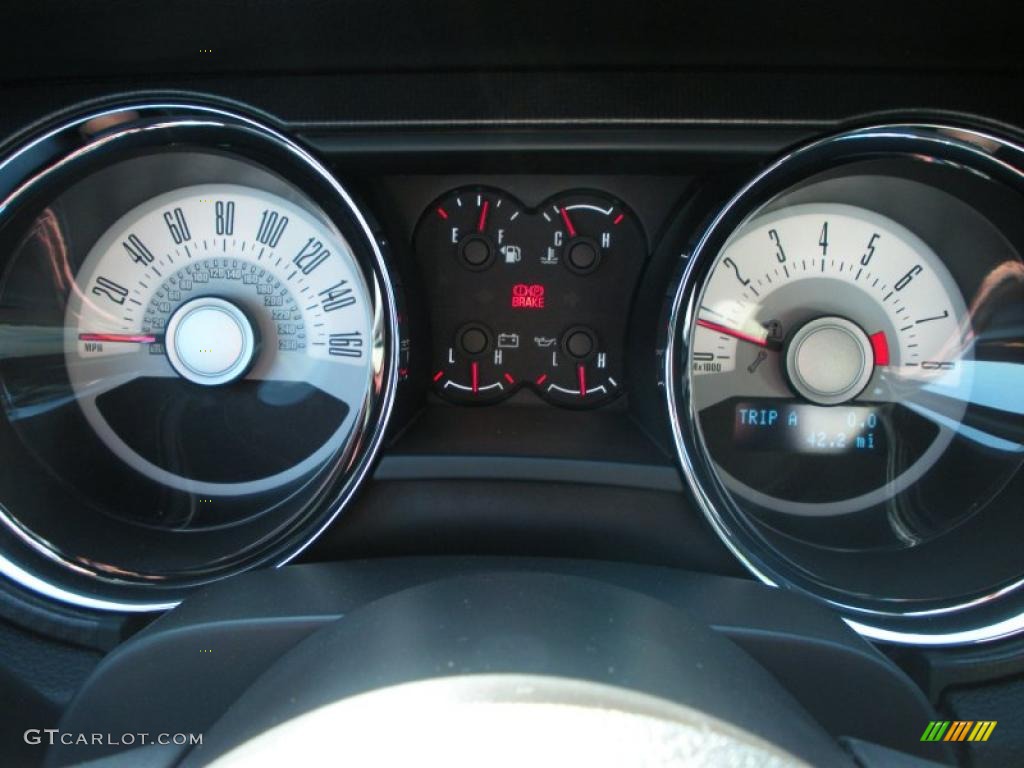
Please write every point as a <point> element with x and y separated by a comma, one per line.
<point>206,341</point>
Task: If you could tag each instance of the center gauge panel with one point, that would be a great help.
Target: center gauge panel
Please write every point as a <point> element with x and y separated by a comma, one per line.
<point>531,299</point>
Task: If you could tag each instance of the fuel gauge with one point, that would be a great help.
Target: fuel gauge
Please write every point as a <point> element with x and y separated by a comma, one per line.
<point>474,224</point>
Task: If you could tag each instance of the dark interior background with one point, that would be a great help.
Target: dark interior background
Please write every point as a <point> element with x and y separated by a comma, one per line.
<point>708,89</point>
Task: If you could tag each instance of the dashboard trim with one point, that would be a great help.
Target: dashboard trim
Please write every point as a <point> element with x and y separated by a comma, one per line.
<point>645,476</point>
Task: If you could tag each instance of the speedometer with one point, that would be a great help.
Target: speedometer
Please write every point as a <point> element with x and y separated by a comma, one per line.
<point>820,329</point>
<point>235,310</point>
<point>198,353</point>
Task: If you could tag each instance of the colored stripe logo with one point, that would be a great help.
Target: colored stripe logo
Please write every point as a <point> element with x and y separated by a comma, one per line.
<point>959,730</point>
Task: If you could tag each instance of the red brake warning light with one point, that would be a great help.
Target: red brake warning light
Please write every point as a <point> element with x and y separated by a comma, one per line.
<point>528,296</point>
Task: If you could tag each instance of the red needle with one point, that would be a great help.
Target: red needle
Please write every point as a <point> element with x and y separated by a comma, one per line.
<point>581,375</point>
<point>761,342</point>
<point>128,338</point>
<point>483,216</point>
<point>568,224</point>
<point>474,370</point>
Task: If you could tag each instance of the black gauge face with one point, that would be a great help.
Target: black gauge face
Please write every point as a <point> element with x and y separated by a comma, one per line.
<point>529,299</point>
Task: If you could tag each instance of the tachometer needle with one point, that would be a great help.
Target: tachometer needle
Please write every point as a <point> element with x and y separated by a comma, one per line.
<point>568,223</point>
<point>124,338</point>
<point>761,341</point>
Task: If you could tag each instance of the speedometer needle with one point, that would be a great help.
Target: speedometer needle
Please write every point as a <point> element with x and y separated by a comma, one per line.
<point>761,341</point>
<point>126,338</point>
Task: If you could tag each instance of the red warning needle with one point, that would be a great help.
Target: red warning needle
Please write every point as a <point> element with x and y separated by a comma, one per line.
<point>568,223</point>
<point>125,338</point>
<point>474,370</point>
<point>483,216</point>
<point>581,375</point>
<point>761,341</point>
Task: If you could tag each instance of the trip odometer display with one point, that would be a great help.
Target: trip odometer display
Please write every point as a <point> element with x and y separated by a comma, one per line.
<point>220,289</point>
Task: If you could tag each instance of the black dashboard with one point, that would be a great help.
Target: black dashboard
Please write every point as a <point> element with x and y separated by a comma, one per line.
<point>316,305</point>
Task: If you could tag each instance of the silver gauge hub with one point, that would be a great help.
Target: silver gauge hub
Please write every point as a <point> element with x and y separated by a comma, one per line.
<point>210,341</point>
<point>829,360</point>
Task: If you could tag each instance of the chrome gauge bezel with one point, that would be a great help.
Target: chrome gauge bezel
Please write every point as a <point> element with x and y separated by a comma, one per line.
<point>56,158</point>
<point>995,614</point>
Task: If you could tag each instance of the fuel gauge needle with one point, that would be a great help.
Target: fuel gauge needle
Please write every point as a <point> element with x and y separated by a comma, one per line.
<point>761,341</point>
<point>124,338</point>
<point>481,225</point>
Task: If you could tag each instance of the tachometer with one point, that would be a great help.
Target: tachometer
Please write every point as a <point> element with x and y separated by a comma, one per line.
<point>820,329</point>
<point>844,372</point>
